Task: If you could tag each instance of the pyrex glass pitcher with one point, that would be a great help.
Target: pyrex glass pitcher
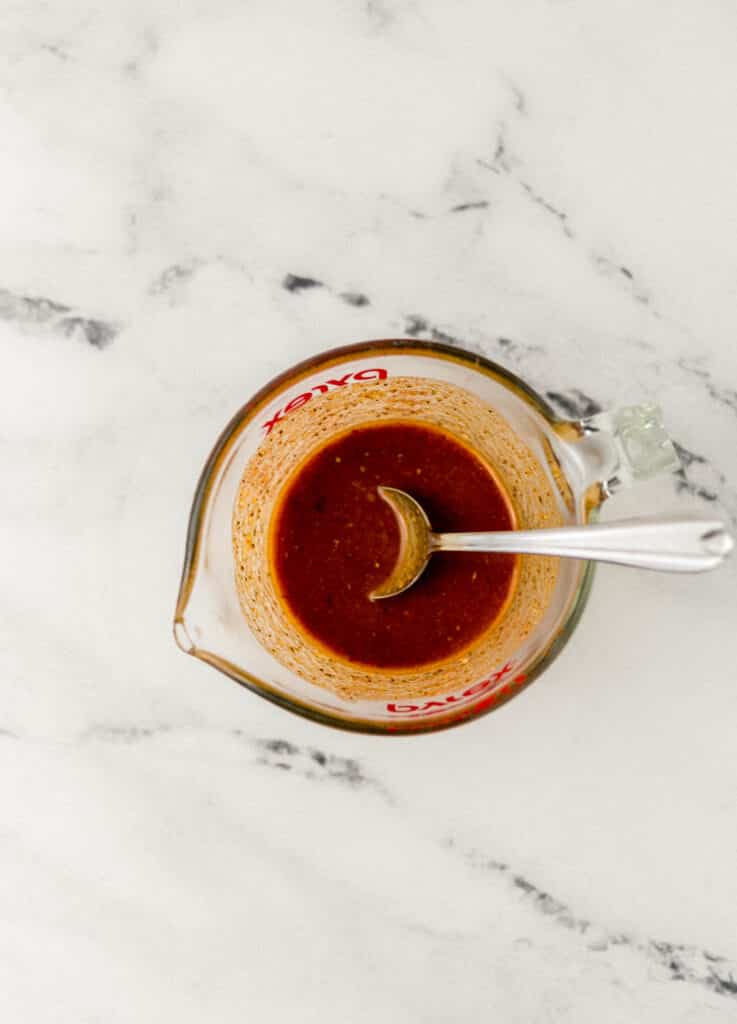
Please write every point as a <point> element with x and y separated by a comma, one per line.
<point>585,461</point>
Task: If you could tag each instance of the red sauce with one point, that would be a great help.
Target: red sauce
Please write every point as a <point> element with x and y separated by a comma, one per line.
<point>333,540</point>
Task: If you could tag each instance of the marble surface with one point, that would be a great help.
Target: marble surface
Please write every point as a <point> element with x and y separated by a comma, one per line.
<point>197,194</point>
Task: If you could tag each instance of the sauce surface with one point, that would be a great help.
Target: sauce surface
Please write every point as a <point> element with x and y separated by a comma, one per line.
<point>333,540</point>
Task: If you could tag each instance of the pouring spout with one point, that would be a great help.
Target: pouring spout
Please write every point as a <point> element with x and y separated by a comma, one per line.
<point>183,639</point>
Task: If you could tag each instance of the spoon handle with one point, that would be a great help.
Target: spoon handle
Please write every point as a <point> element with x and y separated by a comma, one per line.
<point>671,545</point>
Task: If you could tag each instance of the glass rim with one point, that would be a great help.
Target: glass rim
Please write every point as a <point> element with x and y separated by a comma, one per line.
<point>221,450</point>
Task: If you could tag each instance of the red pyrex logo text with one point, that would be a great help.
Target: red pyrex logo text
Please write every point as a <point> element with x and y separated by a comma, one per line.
<point>335,382</point>
<point>432,707</point>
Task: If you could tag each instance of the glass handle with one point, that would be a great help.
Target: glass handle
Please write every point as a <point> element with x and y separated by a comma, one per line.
<point>620,447</point>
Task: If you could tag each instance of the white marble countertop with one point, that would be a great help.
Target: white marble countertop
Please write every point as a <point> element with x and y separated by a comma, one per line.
<point>195,195</point>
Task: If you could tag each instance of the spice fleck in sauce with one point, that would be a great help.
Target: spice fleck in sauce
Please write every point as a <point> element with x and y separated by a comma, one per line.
<point>333,540</point>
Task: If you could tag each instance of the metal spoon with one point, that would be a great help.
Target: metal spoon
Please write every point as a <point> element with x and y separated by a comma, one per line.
<point>674,544</point>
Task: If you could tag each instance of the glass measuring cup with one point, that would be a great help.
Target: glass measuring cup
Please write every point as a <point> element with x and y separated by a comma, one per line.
<point>585,461</point>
